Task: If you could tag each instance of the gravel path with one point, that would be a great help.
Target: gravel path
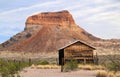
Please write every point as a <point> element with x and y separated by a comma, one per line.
<point>56,73</point>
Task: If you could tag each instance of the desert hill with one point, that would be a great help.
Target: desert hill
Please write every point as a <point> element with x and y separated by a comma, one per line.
<point>47,32</point>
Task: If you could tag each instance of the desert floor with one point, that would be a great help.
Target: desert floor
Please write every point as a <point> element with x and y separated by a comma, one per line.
<point>34,72</point>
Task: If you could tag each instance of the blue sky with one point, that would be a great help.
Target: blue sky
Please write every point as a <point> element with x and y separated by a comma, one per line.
<point>99,17</point>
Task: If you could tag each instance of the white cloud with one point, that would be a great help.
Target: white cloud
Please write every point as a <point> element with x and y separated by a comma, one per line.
<point>90,12</point>
<point>101,1</point>
<point>105,15</point>
<point>94,10</point>
<point>99,13</point>
<point>31,7</point>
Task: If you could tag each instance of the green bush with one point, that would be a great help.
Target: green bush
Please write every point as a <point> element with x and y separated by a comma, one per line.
<point>113,67</point>
<point>9,69</point>
<point>42,63</point>
<point>70,65</point>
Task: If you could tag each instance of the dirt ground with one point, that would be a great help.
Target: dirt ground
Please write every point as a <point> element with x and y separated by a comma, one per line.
<point>34,72</point>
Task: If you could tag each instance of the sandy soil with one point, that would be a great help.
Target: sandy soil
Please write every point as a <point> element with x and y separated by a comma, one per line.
<point>34,72</point>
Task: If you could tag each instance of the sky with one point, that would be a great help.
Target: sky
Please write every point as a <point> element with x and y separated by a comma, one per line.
<point>99,17</point>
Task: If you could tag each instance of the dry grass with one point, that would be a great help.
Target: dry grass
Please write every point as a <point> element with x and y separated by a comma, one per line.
<point>84,67</point>
<point>45,66</point>
<point>110,74</point>
<point>51,57</point>
<point>32,66</point>
<point>104,73</point>
<point>91,67</point>
<point>101,74</point>
<point>118,75</point>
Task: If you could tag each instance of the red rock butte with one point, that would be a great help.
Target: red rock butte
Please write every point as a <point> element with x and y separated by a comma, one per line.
<point>47,32</point>
<point>61,18</point>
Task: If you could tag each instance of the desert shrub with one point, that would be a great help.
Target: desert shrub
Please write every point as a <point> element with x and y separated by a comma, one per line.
<point>110,66</point>
<point>101,74</point>
<point>42,62</point>
<point>9,69</point>
<point>70,65</point>
<point>113,67</point>
<point>113,63</point>
<point>110,75</point>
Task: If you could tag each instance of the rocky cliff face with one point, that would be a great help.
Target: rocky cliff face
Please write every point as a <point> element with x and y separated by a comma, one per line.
<point>47,32</point>
<point>62,18</point>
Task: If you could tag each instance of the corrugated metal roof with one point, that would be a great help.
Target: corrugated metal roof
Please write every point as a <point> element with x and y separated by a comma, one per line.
<point>76,42</point>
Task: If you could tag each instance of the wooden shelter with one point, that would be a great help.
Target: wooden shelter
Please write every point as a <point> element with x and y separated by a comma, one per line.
<point>78,50</point>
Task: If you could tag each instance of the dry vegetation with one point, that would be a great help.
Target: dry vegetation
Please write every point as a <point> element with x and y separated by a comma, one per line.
<point>106,56</point>
<point>104,73</point>
<point>107,47</point>
<point>45,66</point>
<point>91,67</point>
<point>22,56</point>
<point>83,67</point>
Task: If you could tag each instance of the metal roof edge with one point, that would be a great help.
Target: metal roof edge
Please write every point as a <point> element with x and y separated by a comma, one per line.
<point>75,42</point>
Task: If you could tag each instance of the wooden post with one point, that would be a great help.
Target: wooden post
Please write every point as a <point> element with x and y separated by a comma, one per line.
<point>62,64</point>
<point>14,60</point>
<point>95,59</point>
<point>84,61</point>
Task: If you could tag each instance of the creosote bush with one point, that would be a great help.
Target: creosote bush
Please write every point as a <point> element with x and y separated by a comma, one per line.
<point>113,67</point>
<point>70,65</point>
<point>113,63</point>
<point>9,69</point>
